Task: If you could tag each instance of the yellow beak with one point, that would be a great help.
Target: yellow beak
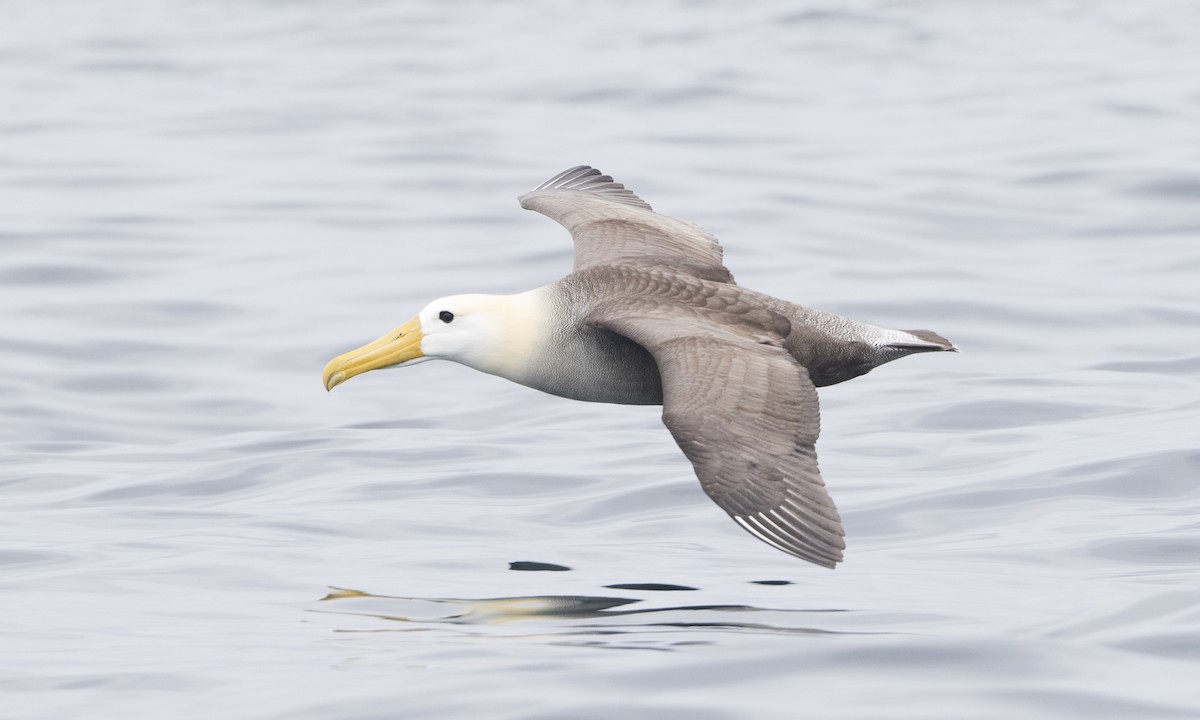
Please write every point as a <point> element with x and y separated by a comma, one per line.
<point>400,345</point>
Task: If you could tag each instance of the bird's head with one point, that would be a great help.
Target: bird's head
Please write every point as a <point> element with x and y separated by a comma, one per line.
<point>486,332</point>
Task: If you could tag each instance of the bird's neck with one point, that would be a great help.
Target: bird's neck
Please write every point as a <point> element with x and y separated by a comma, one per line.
<point>521,327</point>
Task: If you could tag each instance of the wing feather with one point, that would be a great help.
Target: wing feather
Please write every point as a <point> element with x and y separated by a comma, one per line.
<point>746,415</point>
<point>610,224</point>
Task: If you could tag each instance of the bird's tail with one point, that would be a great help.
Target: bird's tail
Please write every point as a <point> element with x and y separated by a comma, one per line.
<point>925,341</point>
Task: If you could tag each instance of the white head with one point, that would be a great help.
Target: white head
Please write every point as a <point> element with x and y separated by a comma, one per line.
<point>468,329</point>
<point>491,333</point>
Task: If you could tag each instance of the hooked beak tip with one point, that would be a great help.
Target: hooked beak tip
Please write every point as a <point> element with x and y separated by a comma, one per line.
<point>332,380</point>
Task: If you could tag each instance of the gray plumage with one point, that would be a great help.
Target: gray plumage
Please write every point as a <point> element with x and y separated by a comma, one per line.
<point>655,317</point>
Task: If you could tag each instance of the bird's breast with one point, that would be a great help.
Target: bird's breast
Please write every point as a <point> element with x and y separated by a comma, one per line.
<point>596,365</point>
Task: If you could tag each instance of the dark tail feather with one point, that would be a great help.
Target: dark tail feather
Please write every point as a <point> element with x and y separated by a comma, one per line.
<point>928,336</point>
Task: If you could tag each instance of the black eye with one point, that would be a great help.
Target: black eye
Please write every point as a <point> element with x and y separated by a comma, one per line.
<point>445,316</point>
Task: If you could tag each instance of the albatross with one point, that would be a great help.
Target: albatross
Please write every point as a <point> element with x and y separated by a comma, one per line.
<point>651,316</point>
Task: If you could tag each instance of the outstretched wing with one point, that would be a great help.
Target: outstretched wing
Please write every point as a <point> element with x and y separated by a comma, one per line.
<point>610,225</point>
<point>746,414</point>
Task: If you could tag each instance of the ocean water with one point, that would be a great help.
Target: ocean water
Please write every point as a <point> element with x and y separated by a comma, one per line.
<point>203,202</point>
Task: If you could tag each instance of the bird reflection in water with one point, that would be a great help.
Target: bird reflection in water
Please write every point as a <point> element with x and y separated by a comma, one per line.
<point>611,614</point>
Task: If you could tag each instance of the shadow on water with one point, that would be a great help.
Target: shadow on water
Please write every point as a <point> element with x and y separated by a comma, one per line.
<point>605,616</point>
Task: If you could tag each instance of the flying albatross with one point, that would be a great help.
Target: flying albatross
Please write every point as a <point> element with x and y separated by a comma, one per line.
<point>650,316</point>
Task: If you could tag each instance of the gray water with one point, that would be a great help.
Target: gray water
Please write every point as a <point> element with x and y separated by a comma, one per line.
<point>203,202</point>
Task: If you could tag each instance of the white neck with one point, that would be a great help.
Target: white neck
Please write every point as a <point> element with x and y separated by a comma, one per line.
<point>509,333</point>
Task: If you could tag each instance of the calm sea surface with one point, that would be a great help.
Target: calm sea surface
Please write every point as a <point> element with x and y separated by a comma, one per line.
<point>203,202</point>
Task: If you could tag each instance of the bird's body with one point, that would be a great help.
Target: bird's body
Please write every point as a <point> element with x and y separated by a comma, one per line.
<point>651,316</point>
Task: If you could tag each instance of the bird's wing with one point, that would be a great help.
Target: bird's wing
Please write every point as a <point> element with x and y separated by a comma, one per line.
<point>746,414</point>
<point>610,225</point>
